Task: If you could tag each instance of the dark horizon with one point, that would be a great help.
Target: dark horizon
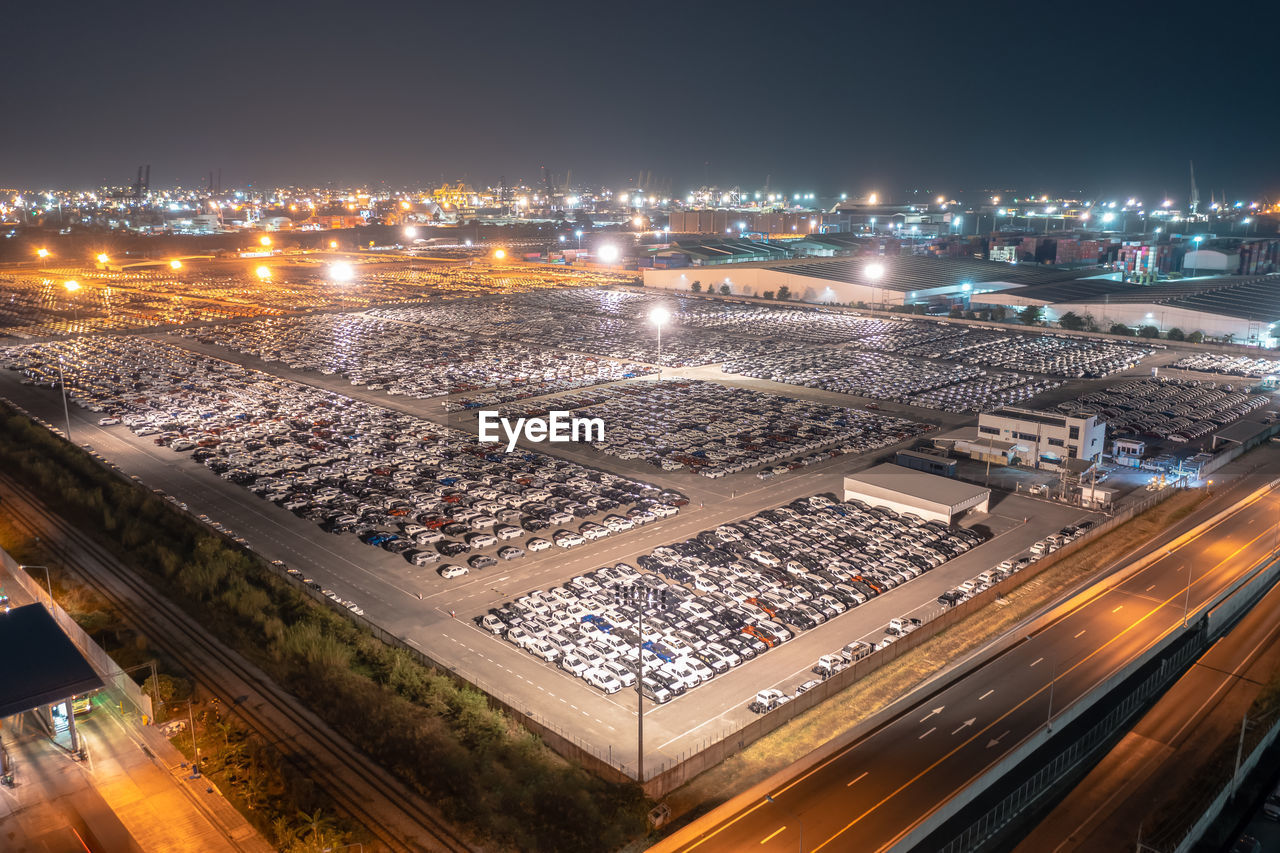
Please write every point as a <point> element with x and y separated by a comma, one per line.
<point>944,99</point>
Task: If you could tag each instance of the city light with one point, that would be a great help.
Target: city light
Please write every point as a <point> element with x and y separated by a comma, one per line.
<point>175,264</point>
<point>659,316</point>
<point>341,271</point>
<point>608,253</point>
<point>410,232</point>
<point>499,253</point>
<point>102,257</point>
<point>44,253</point>
<point>71,286</point>
<point>333,244</point>
<point>873,271</point>
<point>264,240</point>
<point>263,272</point>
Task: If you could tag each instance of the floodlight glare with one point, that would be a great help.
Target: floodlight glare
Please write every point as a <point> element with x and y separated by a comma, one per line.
<point>341,272</point>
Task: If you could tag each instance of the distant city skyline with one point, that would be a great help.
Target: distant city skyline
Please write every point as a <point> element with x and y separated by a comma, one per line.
<point>850,99</point>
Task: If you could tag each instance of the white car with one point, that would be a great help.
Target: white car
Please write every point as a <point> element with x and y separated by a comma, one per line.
<point>601,678</point>
<point>108,421</point>
<point>574,665</point>
<point>492,624</point>
<point>537,545</point>
<point>451,571</point>
<point>625,677</point>
<point>565,539</point>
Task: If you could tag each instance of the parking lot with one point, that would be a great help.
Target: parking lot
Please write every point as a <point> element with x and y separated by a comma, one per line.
<point>716,430</point>
<point>432,532</point>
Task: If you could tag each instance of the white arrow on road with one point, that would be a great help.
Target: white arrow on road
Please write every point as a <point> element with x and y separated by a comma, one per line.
<point>996,740</point>
<point>966,724</point>
<point>937,710</point>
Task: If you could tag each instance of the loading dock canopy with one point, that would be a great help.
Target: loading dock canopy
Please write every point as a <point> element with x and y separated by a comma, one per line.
<point>41,665</point>
<point>904,490</point>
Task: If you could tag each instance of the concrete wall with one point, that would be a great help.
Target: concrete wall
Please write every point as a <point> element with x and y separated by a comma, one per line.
<point>754,280</point>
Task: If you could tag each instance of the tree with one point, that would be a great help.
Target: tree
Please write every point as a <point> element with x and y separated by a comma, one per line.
<point>1148,332</point>
<point>768,294</point>
<point>1195,337</point>
<point>1071,321</point>
<point>724,290</point>
<point>1176,334</point>
<point>999,313</point>
<point>784,292</point>
<point>970,315</point>
<point>1226,339</point>
<point>696,287</point>
<point>1121,329</point>
<point>1031,315</point>
<point>956,313</point>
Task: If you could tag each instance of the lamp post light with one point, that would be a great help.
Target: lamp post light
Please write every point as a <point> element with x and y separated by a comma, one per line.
<point>48,582</point>
<point>1196,240</point>
<point>873,273</point>
<point>578,234</point>
<point>641,596</point>
<point>658,316</point>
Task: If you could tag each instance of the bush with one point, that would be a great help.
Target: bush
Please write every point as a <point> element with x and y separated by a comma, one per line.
<point>724,289</point>
<point>1176,334</point>
<point>696,287</point>
<point>1121,329</point>
<point>1196,337</point>
<point>1071,321</point>
<point>1148,332</point>
<point>768,294</point>
<point>784,292</point>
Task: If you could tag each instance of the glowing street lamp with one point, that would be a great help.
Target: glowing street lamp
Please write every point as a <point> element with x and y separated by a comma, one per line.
<point>71,286</point>
<point>263,273</point>
<point>658,316</point>
<point>608,254</point>
<point>103,257</point>
<point>42,252</point>
<point>873,273</point>
<point>499,253</point>
<point>333,244</point>
<point>579,235</point>
<point>264,240</point>
<point>341,272</point>
<point>175,264</point>
<point>410,232</point>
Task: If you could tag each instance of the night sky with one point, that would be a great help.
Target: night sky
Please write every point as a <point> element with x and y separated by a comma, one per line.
<point>826,97</point>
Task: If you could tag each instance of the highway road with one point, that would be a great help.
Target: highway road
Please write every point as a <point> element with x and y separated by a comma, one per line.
<point>1195,720</point>
<point>872,793</point>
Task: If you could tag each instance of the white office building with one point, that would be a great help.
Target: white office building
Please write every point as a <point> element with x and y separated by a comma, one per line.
<point>1044,439</point>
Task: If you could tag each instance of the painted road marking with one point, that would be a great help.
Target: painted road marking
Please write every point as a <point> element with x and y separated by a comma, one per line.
<point>1078,636</point>
<point>1036,661</point>
<point>770,836</point>
<point>855,779</point>
<point>985,695</point>
<point>926,734</point>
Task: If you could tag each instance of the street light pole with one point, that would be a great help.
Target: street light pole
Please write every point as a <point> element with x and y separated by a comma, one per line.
<point>62,381</point>
<point>48,582</point>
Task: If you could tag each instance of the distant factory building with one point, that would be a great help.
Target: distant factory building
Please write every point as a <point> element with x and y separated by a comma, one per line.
<point>1044,439</point>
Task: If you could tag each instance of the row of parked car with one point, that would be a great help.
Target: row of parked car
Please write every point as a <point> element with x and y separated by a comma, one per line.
<point>415,360</point>
<point>715,430</point>
<point>903,379</point>
<point>830,664</point>
<point>408,486</point>
<point>1045,354</point>
<point>1234,365</point>
<point>730,593</point>
<point>1180,410</point>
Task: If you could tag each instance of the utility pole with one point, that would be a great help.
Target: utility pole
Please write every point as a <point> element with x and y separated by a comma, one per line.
<point>1235,777</point>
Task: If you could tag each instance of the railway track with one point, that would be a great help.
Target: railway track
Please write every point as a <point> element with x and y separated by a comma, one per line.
<point>392,813</point>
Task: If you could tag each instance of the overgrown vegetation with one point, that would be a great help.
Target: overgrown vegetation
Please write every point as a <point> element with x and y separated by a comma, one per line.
<point>480,768</point>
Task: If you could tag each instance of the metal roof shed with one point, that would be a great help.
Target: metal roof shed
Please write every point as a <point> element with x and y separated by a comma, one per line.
<point>905,490</point>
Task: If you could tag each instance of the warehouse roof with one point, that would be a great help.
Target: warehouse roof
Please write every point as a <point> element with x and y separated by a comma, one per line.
<point>42,665</point>
<point>889,481</point>
<point>1249,297</point>
<point>918,272</point>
